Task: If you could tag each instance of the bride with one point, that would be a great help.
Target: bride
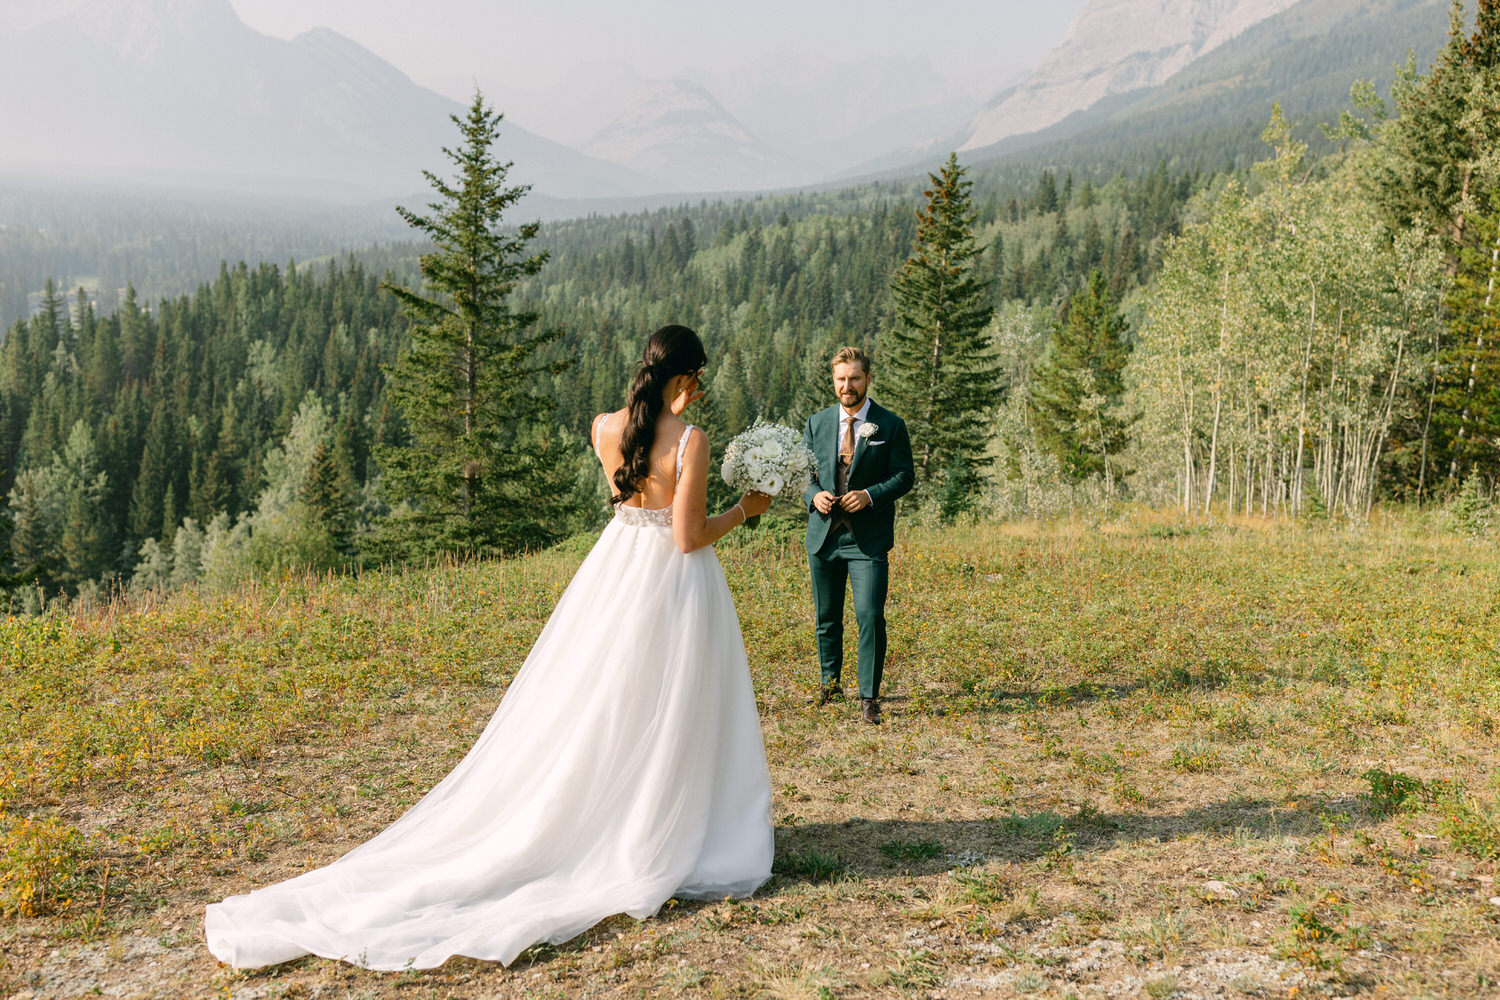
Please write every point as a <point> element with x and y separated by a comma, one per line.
<point>624,766</point>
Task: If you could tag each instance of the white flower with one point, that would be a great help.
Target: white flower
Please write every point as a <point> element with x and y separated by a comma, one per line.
<point>866,430</point>
<point>768,458</point>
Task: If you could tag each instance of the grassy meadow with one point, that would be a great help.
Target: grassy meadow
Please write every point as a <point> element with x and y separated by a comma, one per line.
<point>1132,758</point>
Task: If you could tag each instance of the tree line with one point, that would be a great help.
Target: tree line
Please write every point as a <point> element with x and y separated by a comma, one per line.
<point>160,245</point>
<point>1312,334</point>
<point>1326,334</point>
<point>256,407</point>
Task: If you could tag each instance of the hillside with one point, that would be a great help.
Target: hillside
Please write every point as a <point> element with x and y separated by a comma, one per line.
<point>1211,113</point>
<point>1126,759</point>
<point>1114,47</point>
<point>1305,57</point>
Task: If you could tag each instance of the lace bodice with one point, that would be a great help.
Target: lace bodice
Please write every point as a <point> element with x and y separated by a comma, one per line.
<point>648,517</point>
<point>644,517</point>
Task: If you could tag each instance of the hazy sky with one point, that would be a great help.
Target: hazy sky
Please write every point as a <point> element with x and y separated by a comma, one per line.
<point>517,52</point>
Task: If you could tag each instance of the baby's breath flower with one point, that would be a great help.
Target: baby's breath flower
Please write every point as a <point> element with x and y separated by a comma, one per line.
<point>768,458</point>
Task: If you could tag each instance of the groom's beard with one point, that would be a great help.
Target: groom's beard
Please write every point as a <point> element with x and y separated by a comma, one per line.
<point>851,401</point>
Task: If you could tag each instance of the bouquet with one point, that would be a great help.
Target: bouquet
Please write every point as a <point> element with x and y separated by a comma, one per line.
<point>768,458</point>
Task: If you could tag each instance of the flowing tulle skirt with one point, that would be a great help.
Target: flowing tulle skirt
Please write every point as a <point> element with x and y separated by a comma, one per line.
<point>623,767</point>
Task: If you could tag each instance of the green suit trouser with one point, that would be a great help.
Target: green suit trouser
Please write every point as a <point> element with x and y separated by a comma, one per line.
<point>837,562</point>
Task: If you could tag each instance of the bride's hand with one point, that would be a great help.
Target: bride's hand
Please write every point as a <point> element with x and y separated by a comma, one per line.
<point>690,394</point>
<point>755,504</point>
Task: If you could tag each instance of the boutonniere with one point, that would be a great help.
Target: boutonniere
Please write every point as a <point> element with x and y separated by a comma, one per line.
<point>866,430</point>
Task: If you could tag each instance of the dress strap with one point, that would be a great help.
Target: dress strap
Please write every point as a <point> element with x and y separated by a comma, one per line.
<point>682,447</point>
<point>598,427</point>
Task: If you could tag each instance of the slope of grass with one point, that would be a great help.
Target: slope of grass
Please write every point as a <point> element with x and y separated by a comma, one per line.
<point>1136,758</point>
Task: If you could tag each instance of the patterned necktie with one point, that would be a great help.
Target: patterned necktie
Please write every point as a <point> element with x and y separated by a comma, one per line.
<point>846,456</point>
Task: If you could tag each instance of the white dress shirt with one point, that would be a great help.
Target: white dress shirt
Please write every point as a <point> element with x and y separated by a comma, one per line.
<point>861,417</point>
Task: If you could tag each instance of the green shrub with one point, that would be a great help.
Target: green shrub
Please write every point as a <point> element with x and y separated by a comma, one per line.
<point>1391,790</point>
<point>41,865</point>
<point>1471,825</point>
<point>1196,757</point>
<point>1471,511</point>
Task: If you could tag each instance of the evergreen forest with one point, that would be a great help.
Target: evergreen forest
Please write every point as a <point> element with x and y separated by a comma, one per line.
<point>1307,335</point>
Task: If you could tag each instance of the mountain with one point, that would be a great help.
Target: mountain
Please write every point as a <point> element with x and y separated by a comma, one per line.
<point>1215,108</point>
<point>675,132</point>
<point>893,136</point>
<point>780,120</point>
<point>1304,58</point>
<point>183,90</point>
<point>835,114</point>
<point>1114,47</point>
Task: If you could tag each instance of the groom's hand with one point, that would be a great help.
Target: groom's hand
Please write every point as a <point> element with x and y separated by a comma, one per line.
<point>854,501</point>
<point>824,502</point>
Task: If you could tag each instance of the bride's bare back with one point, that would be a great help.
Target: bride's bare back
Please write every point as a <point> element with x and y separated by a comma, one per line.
<point>660,488</point>
<point>687,494</point>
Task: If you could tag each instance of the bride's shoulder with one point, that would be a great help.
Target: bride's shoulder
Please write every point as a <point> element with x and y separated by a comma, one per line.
<point>596,432</point>
<point>692,444</point>
<point>680,433</point>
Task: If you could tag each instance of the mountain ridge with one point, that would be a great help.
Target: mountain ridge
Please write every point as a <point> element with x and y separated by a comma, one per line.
<point>1306,57</point>
<point>678,133</point>
<point>1104,54</point>
<point>227,100</point>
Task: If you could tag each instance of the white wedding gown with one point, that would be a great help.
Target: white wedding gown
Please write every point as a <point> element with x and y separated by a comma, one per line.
<point>624,766</point>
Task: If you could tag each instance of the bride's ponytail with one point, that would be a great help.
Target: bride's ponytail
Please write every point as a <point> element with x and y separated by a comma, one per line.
<point>671,351</point>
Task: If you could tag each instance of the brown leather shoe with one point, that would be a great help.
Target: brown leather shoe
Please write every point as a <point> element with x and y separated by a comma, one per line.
<point>871,708</point>
<point>827,693</point>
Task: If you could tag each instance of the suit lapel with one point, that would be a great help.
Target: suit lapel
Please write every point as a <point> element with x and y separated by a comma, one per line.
<point>860,444</point>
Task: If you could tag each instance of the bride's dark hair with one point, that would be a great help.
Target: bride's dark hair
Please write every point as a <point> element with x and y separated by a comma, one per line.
<point>671,351</point>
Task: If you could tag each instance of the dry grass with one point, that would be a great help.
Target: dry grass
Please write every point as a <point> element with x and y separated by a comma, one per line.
<point>1138,758</point>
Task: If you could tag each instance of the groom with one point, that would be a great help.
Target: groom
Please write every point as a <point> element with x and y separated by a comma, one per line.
<point>864,466</point>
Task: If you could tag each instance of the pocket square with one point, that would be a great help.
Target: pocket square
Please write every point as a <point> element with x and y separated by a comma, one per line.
<point>872,444</point>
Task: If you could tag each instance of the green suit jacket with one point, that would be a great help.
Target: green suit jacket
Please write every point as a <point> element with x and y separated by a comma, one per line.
<point>882,466</point>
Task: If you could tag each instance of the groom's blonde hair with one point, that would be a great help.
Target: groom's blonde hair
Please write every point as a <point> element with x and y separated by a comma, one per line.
<point>850,356</point>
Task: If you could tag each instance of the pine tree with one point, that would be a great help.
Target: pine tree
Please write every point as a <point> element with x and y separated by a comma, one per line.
<point>148,496</point>
<point>12,575</point>
<point>479,472</point>
<point>209,491</point>
<point>102,363</point>
<point>1045,198</point>
<point>1467,400</point>
<point>35,506</point>
<point>1435,143</point>
<point>935,367</point>
<point>329,492</point>
<point>1077,385</point>
<point>86,544</point>
<point>1437,171</point>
